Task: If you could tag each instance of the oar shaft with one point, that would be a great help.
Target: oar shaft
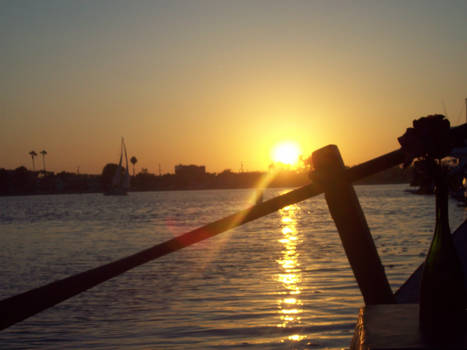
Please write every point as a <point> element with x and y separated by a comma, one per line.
<point>22,306</point>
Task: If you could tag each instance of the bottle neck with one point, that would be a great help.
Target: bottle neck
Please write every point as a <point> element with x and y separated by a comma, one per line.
<point>442,192</point>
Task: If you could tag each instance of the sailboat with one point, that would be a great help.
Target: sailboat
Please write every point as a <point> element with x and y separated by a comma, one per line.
<point>121,180</point>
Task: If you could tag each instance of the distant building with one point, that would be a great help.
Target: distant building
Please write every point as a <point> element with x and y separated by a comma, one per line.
<point>190,170</point>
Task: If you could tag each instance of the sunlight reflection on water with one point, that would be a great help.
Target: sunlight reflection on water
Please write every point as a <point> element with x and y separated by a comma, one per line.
<point>289,303</point>
<point>281,282</point>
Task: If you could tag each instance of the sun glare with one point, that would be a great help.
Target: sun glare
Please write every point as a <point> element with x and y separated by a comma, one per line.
<point>287,152</point>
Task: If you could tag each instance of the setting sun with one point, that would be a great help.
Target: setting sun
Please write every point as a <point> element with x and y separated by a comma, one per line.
<point>287,152</point>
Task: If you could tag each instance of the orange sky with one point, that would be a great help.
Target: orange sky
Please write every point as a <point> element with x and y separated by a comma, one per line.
<point>219,83</point>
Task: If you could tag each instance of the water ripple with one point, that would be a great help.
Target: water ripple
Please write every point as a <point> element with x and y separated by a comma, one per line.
<point>280,282</point>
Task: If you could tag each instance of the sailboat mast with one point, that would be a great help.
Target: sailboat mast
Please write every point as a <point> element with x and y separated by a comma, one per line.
<point>116,178</point>
<point>126,156</point>
<point>126,180</point>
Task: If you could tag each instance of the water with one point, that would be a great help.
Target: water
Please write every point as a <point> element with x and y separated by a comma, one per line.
<point>281,282</point>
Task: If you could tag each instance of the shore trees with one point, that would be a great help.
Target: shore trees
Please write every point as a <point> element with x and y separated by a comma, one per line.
<point>33,154</point>
<point>133,161</point>
<point>43,153</point>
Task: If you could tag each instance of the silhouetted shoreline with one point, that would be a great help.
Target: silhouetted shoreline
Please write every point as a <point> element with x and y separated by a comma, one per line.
<point>21,181</point>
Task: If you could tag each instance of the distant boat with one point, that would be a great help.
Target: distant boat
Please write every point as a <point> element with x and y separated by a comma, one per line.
<point>121,180</point>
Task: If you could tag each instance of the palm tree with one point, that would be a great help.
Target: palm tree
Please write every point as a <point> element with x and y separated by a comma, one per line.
<point>133,161</point>
<point>43,152</point>
<point>33,154</point>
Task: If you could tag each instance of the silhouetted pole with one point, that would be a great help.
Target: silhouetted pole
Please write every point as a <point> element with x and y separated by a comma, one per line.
<point>19,307</point>
<point>345,209</point>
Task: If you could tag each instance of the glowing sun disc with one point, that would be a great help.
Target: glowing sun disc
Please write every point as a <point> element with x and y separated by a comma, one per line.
<point>286,153</point>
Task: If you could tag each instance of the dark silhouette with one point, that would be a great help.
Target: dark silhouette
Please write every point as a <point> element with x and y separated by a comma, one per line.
<point>21,181</point>
<point>33,154</point>
<point>43,152</point>
<point>133,161</point>
<point>422,178</point>
<point>108,174</point>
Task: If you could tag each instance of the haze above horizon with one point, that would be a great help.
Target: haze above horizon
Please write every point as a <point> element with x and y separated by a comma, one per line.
<point>222,83</point>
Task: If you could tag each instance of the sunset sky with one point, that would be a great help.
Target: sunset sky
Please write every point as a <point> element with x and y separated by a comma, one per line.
<point>219,83</point>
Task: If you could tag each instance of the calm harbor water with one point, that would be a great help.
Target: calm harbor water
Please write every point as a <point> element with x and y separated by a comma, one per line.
<point>281,282</point>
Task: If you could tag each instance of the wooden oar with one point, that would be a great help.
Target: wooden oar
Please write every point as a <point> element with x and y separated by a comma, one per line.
<point>19,307</point>
<point>22,306</point>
